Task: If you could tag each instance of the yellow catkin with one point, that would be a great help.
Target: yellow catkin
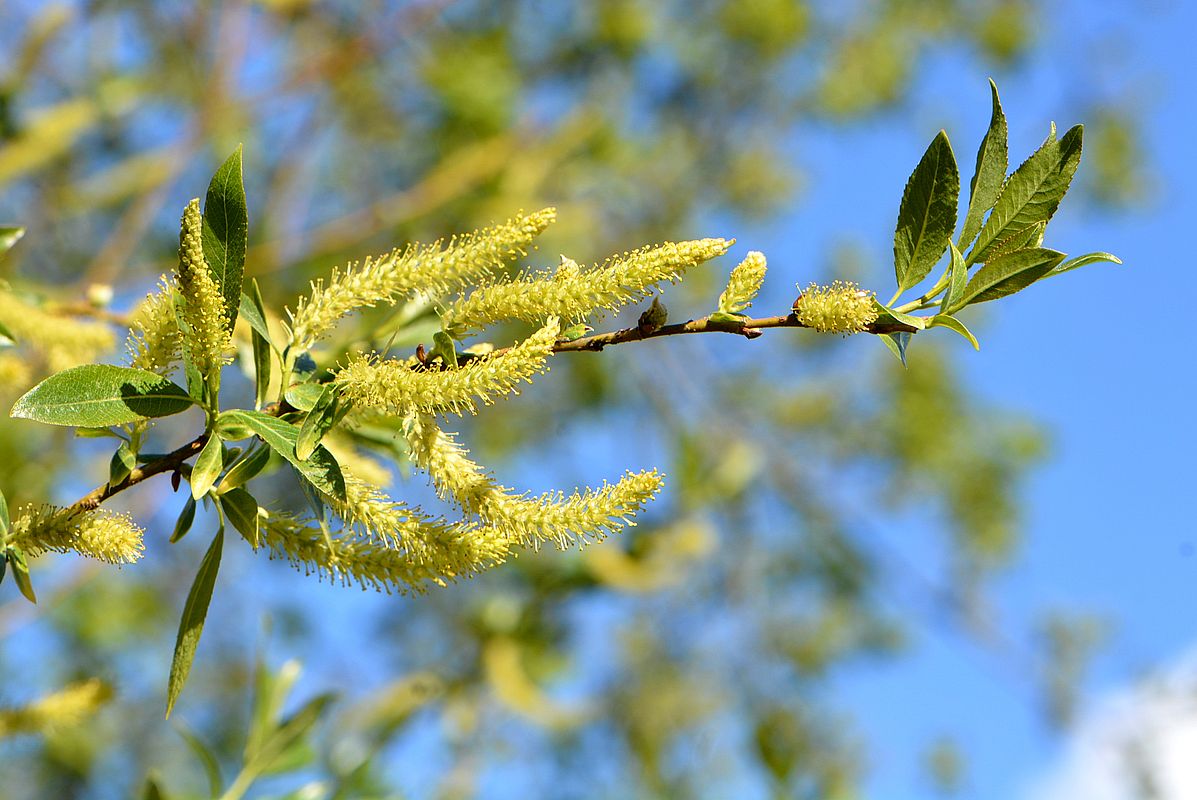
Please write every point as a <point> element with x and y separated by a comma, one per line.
<point>396,388</point>
<point>101,534</point>
<point>531,520</point>
<point>206,337</point>
<point>433,270</point>
<point>16,374</point>
<point>64,342</point>
<point>743,284</point>
<point>62,709</point>
<point>154,339</point>
<point>572,293</point>
<point>842,307</point>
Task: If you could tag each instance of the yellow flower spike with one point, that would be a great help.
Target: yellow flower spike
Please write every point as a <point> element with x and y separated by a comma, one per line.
<point>206,338</point>
<point>101,534</point>
<point>62,709</point>
<point>396,388</point>
<point>154,338</point>
<point>743,284</point>
<point>432,270</point>
<point>842,307</point>
<point>64,341</point>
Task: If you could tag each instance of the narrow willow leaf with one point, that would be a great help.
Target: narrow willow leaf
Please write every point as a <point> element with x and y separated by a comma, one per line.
<point>992,163</point>
<point>320,469</point>
<point>207,466</point>
<point>20,573</point>
<point>953,324</point>
<point>897,343</point>
<point>122,463</point>
<point>927,215</point>
<point>1019,240</point>
<point>8,237</point>
<point>100,395</point>
<point>205,756</point>
<point>6,337</point>
<point>270,693</point>
<point>183,523</point>
<point>195,611</point>
<point>1032,194</point>
<point>254,312</point>
<point>957,278</point>
<point>887,314</point>
<point>5,522</point>
<point>304,396</point>
<point>328,411</point>
<point>277,750</point>
<point>1084,261</point>
<point>226,229</point>
<point>1007,274</point>
<point>246,469</point>
<point>242,511</point>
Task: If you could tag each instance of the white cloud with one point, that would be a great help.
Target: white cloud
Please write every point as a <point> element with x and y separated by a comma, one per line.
<point>1136,743</point>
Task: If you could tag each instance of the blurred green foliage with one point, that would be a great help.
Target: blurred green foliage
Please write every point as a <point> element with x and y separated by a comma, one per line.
<point>693,655</point>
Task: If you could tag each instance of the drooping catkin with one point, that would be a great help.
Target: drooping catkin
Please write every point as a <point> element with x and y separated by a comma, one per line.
<point>205,334</point>
<point>572,293</point>
<point>63,341</point>
<point>394,387</point>
<point>105,535</point>
<point>433,270</point>
<point>59,710</point>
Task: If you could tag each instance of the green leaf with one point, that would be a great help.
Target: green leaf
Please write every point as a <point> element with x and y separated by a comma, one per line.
<point>304,396</point>
<point>183,523</point>
<point>957,278</point>
<point>5,522</point>
<point>320,469</point>
<point>1009,273</point>
<point>253,311</point>
<point>246,469</point>
<point>328,411</point>
<point>226,229</point>
<point>270,693</point>
<point>20,573</point>
<point>1083,261</point>
<point>192,623</point>
<point>100,395</point>
<point>953,324</point>
<point>9,236</point>
<point>205,756</point>
<point>6,337</point>
<point>122,463</point>
<point>207,466</point>
<point>152,790</point>
<point>887,314</point>
<point>444,348</point>
<point>242,510</point>
<point>927,215</point>
<point>277,751</point>
<point>897,343</point>
<point>1025,239</point>
<point>992,163</point>
<point>1032,194</point>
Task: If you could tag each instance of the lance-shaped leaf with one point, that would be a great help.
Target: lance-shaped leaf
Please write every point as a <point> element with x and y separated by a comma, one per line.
<point>20,573</point>
<point>195,611</point>
<point>927,215</point>
<point>9,236</point>
<point>122,463</point>
<point>242,511</point>
<point>953,324</point>
<point>324,416</point>
<point>897,343</point>
<point>207,467</point>
<point>183,523</point>
<point>1032,194</point>
<point>992,162</point>
<point>1009,273</point>
<point>1083,261</point>
<point>226,230</point>
<point>253,311</point>
<point>246,469</point>
<point>957,279</point>
<point>101,395</point>
<point>320,469</point>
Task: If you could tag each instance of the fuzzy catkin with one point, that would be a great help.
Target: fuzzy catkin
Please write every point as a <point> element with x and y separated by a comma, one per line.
<point>206,335</point>
<point>154,338</point>
<point>105,535</point>
<point>842,307</point>
<point>396,388</point>
<point>60,710</point>
<point>572,293</point>
<point>743,284</point>
<point>433,270</point>
<point>65,342</point>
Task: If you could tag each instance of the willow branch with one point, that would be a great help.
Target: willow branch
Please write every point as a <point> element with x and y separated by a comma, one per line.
<point>167,463</point>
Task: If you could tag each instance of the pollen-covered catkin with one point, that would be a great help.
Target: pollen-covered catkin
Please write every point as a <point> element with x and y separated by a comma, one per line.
<point>206,336</point>
<point>61,710</point>
<point>842,307</point>
<point>65,342</point>
<point>101,534</point>
<point>433,270</point>
<point>743,284</point>
<point>572,293</point>
<point>396,388</point>
<point>154,338</point>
